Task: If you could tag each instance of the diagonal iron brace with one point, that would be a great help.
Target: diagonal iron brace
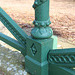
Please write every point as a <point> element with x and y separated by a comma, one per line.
<point>16,31</point>
<point>12,42</point>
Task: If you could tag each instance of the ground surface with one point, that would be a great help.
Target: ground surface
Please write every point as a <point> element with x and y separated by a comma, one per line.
<point>62,13</point>
<point>11,62</point>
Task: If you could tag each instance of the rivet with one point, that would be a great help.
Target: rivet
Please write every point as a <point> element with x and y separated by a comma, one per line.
<point>48,23</point>
<point>35,3</point>
<point>36,24</point>
<point>42,24</point>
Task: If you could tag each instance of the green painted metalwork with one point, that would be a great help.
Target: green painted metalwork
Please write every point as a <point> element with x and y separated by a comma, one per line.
<point>16,31</point>
<point>40,49</point>
<point>12,43</point>
<point>42,20</point>
<point>61,61</point>
<point>36,59</point>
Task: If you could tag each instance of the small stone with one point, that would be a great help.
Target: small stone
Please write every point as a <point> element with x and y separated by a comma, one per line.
<point>24,73</point>
<point>21,72</point>
<point>2,46</point>
<point>7,63</point>
<point>10,51</point>
<point>8,56</point>
<point>23,60</point>
<point>8,69</point>
<point>3,61</point>
<point>16,74</point>
<point>16,52</point>
<point>14,68</point>
<point>0,62</point>
<point>11,65</point>
<point>2,54</point>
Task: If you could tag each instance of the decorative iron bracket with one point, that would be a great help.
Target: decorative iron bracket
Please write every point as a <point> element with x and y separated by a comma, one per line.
<point>62,59</point>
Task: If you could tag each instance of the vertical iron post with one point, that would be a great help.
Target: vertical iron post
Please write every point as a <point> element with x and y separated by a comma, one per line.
<point>41,40</point>
<point>42,20</point>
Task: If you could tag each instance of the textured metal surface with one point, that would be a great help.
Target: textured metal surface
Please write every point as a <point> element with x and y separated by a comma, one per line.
<point>39,46</point>
<point>36,59</point>
<point>42,20</point>
<point>62,60</point>
<point>17,32</point>
<point>13,43</point>
<point>62,56</point>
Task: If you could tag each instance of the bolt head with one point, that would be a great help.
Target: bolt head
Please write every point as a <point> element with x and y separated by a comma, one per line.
<point>35,3</point>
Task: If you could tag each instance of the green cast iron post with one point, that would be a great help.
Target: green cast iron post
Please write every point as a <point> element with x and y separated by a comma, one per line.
<point>40,41</point>
<point>35,48</point>
<point>42,20</point>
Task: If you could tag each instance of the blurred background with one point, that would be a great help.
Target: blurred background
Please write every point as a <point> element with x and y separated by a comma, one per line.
<point>62,13</point>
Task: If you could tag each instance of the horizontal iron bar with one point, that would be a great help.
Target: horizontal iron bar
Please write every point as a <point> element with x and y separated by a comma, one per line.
<point>62,51</point>
<point>12,43</point>
<point>16,31</point>
<point>70,65</point>
<point>62,57</point>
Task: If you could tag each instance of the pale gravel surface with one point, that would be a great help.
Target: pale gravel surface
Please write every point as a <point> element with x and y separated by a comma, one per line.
<point>11,62</point>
